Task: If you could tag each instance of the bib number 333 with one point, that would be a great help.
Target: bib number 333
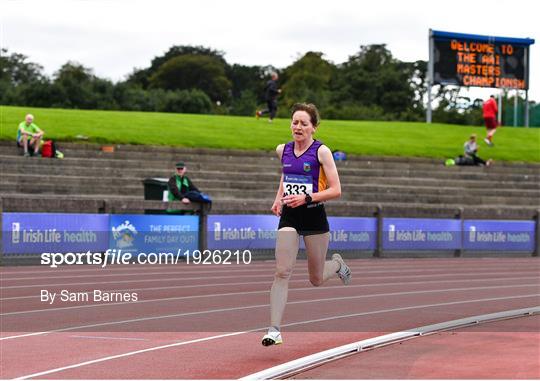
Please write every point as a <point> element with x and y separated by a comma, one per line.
<point>297,184</point>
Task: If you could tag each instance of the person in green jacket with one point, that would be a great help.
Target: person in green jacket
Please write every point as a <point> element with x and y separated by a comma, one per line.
<point>29,135</point>
<point>182,188</point>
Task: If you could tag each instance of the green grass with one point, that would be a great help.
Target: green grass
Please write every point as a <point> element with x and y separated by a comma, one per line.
<point>214,131</point>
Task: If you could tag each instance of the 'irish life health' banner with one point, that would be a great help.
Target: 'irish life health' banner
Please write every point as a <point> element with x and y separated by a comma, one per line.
<point>421,234</point>
<point>499,235</point>
<point>33,233</point>
<point>259,232</point>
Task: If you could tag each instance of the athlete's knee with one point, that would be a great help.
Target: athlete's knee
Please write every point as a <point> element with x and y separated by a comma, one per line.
<point>283,272</point>
<point>316,280</point>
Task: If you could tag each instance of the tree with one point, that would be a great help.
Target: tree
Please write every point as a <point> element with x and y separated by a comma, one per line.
<point>189,71</point>
<point>142,76</point>
<point>308,80</point>
<point>80,88</point>
<point>15,70</point>
<point>372,77</point>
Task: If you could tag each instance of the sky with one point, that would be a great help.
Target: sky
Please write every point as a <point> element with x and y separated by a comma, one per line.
<point>113,37</point>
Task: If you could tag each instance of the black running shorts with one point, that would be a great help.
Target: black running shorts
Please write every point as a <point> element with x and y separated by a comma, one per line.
<point>306,221</point>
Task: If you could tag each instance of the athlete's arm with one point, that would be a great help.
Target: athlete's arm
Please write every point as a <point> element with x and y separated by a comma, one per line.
<point>276,206</point>
<point>334,185</point>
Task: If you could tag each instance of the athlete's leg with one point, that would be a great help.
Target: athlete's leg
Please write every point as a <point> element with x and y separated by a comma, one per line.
<point>272,106</point>
<point>319,269</point>
<point>287,245</point>
<point>267,110</point>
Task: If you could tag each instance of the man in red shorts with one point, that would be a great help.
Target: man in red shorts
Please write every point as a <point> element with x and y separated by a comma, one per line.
<point>489,109</point>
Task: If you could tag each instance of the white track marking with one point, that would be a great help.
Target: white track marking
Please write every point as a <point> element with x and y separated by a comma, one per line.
<point>293,289</point>
<point>109,338</point>
<point>204,270</point>
<point>367,263</point>
<point>108,358</point>
<point>297,274</point>
<point>221,295</point>
<point>72,328</point>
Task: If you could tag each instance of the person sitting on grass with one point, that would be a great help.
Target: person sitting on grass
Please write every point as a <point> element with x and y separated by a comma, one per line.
<point>29,135</point>
<point>470,157</point>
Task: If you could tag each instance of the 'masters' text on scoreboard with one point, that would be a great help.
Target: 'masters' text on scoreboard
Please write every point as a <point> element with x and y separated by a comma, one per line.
<point>478,63</point>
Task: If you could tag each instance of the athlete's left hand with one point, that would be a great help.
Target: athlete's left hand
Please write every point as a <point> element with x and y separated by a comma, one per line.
<point>294,200</point>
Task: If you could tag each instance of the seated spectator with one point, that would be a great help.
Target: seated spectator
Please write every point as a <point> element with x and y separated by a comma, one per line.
<point>470,157</point>
<point>29,135</point>
<point>181,188</point>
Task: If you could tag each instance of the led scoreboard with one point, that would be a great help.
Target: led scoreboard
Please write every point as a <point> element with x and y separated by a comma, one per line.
<point>474,60</point>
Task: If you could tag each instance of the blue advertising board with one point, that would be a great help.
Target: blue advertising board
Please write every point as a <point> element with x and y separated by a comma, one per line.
<point>242,231</point>
<point>259,232</point>
<point>141,233</point>
<point>499,235</point>
<point>353,233</point>
<point>421,234</point>
<point>36,233</point>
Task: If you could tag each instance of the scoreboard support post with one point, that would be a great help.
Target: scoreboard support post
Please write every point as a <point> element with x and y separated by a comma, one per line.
<point>429,78</point>
<point>526,121</point>
<point>516,108</point>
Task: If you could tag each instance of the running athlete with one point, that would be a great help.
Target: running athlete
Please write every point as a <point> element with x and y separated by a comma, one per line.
<point>489,110</point>
<point>309,178</point>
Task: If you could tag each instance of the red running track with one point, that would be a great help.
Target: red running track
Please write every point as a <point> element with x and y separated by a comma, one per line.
<point>492,350</point>
<point>200,322</point>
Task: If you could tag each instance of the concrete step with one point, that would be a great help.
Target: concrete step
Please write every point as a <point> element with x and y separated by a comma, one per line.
<point>164,153</point>
<point>458,198</point>
<point>80,204</point>
<point>62,189</point>
<point>9,164</point>
<point>161,160</point>
<point>238,186</point>
<point>404,197</point>
<point>206,179</point>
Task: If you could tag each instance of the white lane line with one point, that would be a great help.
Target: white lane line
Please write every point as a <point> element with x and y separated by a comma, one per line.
<point>221,295</point>
<point>381,263</point>
<point>184,314</point>
<point>295,281</point>
<point>181,272</point>
<point>109,338</point>
<point>197,269</point>
<point>182,343</point>
<point>130,354</point>
<point>297,274</point>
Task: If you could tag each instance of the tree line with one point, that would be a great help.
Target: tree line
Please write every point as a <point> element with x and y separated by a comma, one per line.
<point>371,85</point>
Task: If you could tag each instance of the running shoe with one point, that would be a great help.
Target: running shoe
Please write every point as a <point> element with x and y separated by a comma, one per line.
<point>344,271</point>
<point>488,142</point>
<point>273,337</point>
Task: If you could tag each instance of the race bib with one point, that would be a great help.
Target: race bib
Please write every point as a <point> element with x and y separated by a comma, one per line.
<point>297,184</point>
